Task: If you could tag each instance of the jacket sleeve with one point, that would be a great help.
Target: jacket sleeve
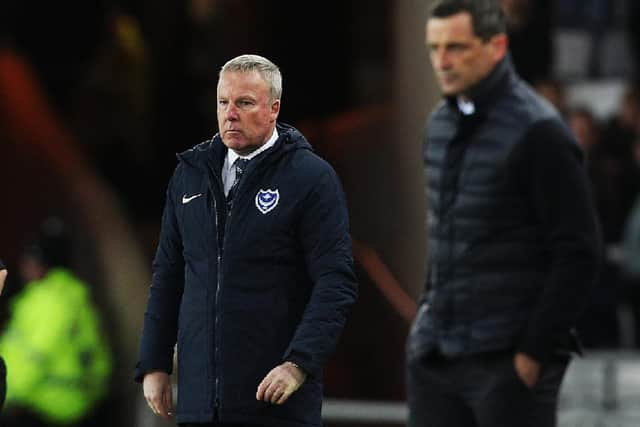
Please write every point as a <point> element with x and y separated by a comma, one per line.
<point>160,329</point>
<point>325,239</point>
<point>555,180</point>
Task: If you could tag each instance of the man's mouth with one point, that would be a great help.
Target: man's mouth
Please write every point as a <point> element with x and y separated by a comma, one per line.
<point>447,77</point>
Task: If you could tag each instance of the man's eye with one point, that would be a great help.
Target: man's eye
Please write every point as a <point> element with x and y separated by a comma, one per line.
<point>222,102</point>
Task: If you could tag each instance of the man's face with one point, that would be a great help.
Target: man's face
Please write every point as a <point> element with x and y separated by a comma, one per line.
<point>459,57</point>
<point>246,114</point>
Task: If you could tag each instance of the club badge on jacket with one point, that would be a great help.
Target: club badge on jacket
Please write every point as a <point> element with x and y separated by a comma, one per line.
<point>267,200</point>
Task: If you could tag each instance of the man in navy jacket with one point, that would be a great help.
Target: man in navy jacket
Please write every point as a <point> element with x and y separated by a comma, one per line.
<point>253,277</point>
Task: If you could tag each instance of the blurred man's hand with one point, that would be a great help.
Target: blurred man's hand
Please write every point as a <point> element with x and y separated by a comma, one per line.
<point>157,392</point>
<point>3,276</point>
<point>527,368</point>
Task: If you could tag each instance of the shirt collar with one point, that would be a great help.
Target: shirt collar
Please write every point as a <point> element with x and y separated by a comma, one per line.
<point>466,107</point>
<point>232,156</point>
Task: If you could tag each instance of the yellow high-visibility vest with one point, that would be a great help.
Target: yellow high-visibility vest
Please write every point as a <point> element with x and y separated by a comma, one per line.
<point>58,360</point>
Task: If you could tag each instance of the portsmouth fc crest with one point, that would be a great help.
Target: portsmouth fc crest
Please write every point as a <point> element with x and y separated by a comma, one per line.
<point>267,200</point>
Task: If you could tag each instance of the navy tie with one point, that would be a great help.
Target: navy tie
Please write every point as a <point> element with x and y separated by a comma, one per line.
<point>239,165</point>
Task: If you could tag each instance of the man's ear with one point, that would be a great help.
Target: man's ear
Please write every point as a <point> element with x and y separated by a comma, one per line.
<point>499,46</point>
<point>275,109</point>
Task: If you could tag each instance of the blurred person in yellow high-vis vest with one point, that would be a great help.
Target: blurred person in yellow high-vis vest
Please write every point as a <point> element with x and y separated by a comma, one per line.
<point>58,360</point>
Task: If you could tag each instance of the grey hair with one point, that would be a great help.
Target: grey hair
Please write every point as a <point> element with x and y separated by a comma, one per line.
<point>267,70</point>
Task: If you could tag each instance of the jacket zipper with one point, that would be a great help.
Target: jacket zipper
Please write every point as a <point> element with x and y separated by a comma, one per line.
<point>221,249</point>
<point>216,401</point>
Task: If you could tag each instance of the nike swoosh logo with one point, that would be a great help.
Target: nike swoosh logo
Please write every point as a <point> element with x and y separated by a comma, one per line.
<point>186,199</point>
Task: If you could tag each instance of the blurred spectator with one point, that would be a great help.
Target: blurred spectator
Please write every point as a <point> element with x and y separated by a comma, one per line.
<point>622,129</point>
<point>585,128</point>
<point>598,326</point>
<point>630,259</point>
<point>616,179</point>
<point>554,92</point>
<point>42,154</point>
<point>631,235</point>
<point>58,360</point>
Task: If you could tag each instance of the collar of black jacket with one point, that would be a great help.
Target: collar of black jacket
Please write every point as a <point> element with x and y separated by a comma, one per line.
<point>485,92</point>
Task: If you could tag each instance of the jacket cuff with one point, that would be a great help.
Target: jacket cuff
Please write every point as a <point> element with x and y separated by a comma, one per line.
<point>141,370</point>
<point>303,363</point>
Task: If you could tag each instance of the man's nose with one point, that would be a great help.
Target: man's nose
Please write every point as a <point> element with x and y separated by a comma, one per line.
<point>230,112</point>
<point>441,59</point>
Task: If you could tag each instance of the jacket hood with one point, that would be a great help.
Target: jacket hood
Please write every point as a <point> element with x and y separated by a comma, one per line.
<point>289,139</point>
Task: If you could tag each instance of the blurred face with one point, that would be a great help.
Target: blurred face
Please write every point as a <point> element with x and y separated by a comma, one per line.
<point>583,129</point>
<point>246,114</point>
<point>31,269</point>
<point>630,111</point>
<point>552,94</point>
<point>459,58</point>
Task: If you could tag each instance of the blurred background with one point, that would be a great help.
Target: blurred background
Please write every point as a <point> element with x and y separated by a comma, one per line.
<point>96,97</point>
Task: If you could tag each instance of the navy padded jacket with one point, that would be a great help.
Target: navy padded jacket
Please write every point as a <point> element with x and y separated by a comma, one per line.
<point>242,291</point>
